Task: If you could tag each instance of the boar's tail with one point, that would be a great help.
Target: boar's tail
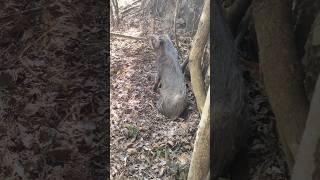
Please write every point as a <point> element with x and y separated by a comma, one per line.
<point>178,98</point>
<point>178,104</point>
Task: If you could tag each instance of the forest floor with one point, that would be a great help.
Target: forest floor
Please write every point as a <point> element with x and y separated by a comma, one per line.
<point>265,158</point>
<point>144,144</point>
<point>53,90</point>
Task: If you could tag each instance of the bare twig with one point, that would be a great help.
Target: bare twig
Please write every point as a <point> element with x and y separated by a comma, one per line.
<point>184,65</point>
<point>154,24</point>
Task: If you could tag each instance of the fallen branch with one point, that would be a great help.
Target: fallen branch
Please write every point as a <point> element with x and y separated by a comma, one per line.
<point>128,37</point>
<point>131,15</point>
<point>129,9</point>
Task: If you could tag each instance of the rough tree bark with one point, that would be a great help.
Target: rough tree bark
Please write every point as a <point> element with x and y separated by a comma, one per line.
<point>198,45</point>
<point>307,160</point>
<point>229,122</point>
<point>199,167</point>
<point>281,71</point>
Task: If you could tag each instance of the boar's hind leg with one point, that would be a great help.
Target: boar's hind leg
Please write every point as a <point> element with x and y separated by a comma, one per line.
<point>159,106</point>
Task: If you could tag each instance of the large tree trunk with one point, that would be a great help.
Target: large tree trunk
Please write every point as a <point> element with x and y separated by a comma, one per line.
<point>235,13</point>
<point>200,161</point>
<point>229,122</point>
<point>198,46</point>
<point>281,71</point>
<point>307,161</point>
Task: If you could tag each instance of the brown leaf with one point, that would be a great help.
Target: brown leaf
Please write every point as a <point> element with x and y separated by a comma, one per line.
<point>183,159</point>
<point>132,151</point>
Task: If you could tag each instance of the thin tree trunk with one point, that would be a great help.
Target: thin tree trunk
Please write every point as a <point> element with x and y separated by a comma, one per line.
<point>112,16</point>
<point>281,71</point>
<point>199,167</point>
<point>176,11</point>
<point>195,56</point>
<point>116,11</point>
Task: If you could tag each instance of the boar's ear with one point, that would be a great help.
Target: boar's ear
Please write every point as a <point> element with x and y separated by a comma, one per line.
<point>154,41</point>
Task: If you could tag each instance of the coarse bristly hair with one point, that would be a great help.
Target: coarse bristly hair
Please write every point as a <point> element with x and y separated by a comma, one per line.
<point>173,89</point>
